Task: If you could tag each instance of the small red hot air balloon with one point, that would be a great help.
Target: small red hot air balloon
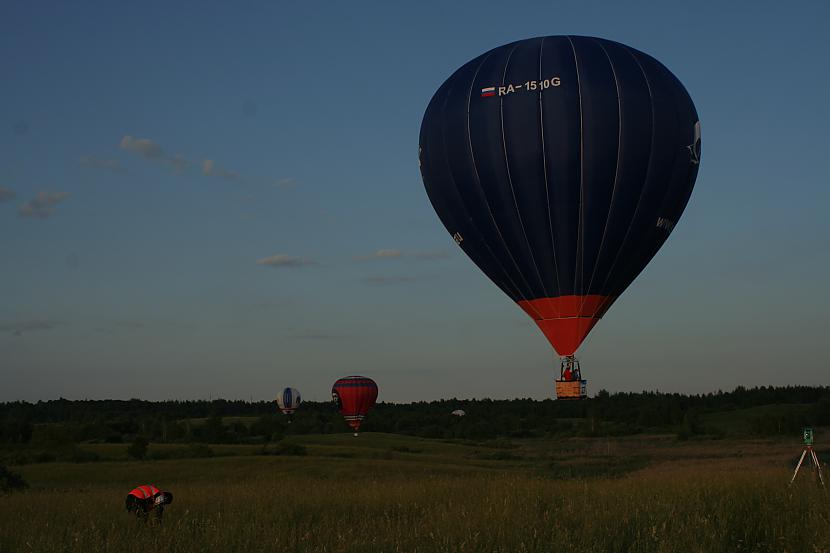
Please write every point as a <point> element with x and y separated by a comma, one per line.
<point>354,396</point>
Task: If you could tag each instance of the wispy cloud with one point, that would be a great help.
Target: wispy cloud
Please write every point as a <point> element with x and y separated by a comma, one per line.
<point>211,169</point>
<point>94,162</point>
<point>152,151</point>
<point>43,205</point>
<point>142,146</point>
<point>6,195</point>
<point>18,328</point>
<point>282,260</point>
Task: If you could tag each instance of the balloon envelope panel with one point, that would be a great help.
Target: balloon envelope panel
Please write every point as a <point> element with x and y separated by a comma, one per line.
<point>560,165</point>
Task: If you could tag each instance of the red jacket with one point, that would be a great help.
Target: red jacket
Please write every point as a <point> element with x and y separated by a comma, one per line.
<point>145,492</point>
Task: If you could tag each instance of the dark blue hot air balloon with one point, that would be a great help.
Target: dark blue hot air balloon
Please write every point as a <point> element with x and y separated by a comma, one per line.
<point>560,165</point>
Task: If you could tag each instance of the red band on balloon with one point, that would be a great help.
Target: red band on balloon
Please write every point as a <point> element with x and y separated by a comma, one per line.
<point>566,320</point>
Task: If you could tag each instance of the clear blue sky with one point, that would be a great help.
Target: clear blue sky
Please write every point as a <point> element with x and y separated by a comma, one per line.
<point>212,199</point>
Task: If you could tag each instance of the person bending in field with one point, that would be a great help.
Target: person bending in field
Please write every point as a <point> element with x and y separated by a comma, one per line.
<point>147,503</point>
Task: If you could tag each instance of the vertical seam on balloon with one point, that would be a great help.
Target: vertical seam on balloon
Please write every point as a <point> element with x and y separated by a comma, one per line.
<point>648,171</point>
<point>667,191</point>
<point>616,170</point>
<point>517,288</point>
<point>579,229</point>
<point>510,178</point>
<point>545,169</point>
<point>486,202</point>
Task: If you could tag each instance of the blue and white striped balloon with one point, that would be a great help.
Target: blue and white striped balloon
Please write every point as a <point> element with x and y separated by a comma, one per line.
<point>289,400</point>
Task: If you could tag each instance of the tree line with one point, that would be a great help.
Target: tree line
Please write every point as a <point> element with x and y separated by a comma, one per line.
<point>62,422</point>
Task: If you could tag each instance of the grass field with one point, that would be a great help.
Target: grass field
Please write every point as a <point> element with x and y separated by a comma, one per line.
<point>391,493</point>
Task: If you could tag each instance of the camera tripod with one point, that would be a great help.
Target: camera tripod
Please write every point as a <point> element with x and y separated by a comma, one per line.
<point>808,449</point>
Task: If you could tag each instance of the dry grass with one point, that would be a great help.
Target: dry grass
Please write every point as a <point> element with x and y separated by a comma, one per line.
<point>424,502</point>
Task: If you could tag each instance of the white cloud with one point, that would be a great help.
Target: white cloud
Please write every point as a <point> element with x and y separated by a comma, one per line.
<point>142,146</point>
<point>178,163</point>
<point>211,169</point>
<point>282,260</point>
<point>6,195</point>
<point>43,205</point>
<point>151,150</point>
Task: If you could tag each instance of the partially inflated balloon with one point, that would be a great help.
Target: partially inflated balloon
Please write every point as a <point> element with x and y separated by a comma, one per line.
<point>354,396</point>
<point>289,400</point>
<point>560,165</point>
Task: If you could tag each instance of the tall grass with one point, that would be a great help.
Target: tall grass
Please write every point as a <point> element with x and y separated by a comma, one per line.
<point>328,504</point>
